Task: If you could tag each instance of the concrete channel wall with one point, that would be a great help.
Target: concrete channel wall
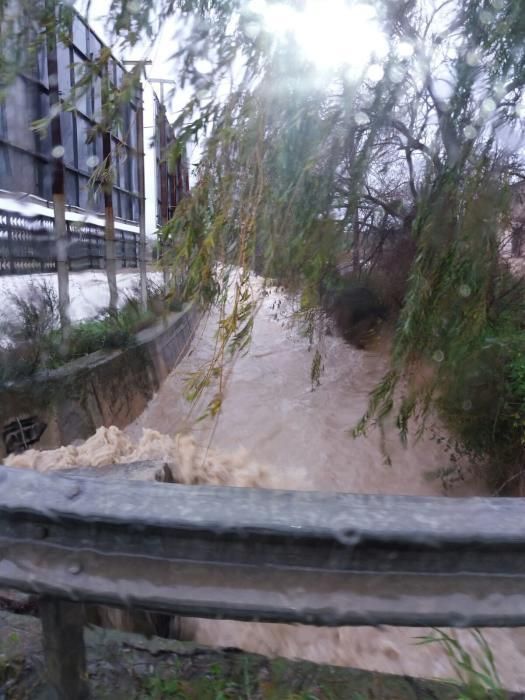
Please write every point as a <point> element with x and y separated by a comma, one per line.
<point>101,389</point>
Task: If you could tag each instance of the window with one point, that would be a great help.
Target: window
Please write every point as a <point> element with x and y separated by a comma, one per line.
<point>71,188</point>
<point>85,148</point>
<point>132,130</point>
<point>41,64</point>
<point>40,111</point>
<point>68,140</point>
<point>44,180</point>
<point>64,62</point>
<point>3,120</point>
<point>80,35</point>
<point>5,167</point>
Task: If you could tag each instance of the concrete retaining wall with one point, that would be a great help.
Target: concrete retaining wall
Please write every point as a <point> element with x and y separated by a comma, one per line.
<point>101,389</point>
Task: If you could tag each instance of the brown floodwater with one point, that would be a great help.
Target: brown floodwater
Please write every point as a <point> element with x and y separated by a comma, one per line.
<point>275,431</point>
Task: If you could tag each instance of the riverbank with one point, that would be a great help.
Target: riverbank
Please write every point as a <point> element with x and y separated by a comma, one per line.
<point>128,667</point>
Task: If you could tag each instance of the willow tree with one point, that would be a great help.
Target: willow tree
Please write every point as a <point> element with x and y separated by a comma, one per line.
<point>295,162</point>
<point>301,166</point>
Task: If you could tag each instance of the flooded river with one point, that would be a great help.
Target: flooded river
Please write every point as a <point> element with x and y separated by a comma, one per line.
<point>303,439</point>
<point>300,439</point>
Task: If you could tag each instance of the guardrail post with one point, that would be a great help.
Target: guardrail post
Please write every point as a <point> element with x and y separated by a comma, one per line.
<point>64,650</point>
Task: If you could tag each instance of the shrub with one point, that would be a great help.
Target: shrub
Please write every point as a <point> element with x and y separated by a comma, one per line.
<point>112,330</point>
<point>354,305</point>
<point>482,399</point>
<point>160,299</point>
<point>30,331</point>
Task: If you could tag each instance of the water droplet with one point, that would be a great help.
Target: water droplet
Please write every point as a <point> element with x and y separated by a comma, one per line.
<point>473,57</point>
<point>58,152</point>
<point>258,7</point>
<point>470,132</point>
<point>55,110</point>
<point>92,161</point>
<point>350,538</point>
<point>498,4</point>
<point>520,108</point>
<point>405,50</point>
<point>203,65</point>
<point>485,17</point>
<point>133,6</point>
<point>252,29</point>
<point>438,356</point>
<point>375,72</point>
<point>467,405</point>
<point>361,118</point>
<point>41,532</point>
<point>74,491</point>
<point>396,74</point>
<point>53,80</point>
<point>465,290</point>
<point>488,105</point>
<point>74,568</point>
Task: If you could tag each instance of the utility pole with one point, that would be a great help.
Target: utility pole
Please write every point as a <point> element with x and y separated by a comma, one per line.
<point>142,189</point>
<point>57,153</point>
<point>164,190</point>
<point>109,214</point>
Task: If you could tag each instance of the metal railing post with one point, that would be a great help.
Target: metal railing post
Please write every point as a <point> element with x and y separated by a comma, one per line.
<point>64,650</point>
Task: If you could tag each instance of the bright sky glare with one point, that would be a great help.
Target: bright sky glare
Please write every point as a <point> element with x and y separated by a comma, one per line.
<point>330,33</point>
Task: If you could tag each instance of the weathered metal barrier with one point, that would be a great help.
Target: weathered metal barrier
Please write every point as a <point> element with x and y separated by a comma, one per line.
<point>249,554</point>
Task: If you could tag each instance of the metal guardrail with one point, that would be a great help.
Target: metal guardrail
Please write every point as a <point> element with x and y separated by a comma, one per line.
<point>249,554</point>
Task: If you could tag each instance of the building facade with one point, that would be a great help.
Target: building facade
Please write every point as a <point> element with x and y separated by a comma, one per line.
<point>27,160</point>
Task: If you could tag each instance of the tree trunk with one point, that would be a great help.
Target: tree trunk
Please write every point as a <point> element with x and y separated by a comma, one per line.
<point>142,202</point>
<point>109,230</point>
<point>59,202</point>
<point>356,244</point>
<point>111,260</point>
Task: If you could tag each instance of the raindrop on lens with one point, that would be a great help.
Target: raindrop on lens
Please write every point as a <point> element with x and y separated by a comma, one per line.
<point>405,50</point>
<point>74,491</point>
<point>438,356</point>
<point>252,29</point>
<point>396,74</point>
<point>470,132</point>
<point>520,109</point>
<point>465,290</point>
<point>375,72</point>
<point>361,118</point>
<point>473,57</point>
<point>488,105</point>
<point>92,161</point>
<point>58,152</point>
<point>485,17</point>
<point>467,405</point>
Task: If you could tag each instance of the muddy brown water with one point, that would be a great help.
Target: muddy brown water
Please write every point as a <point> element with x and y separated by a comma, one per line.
<point>303,438</point>
<point>273,423</point>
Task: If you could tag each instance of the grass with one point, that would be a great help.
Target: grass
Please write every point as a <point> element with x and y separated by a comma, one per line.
<point>476,675</point>
<point>476,678</point>
<point>222,688</point>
